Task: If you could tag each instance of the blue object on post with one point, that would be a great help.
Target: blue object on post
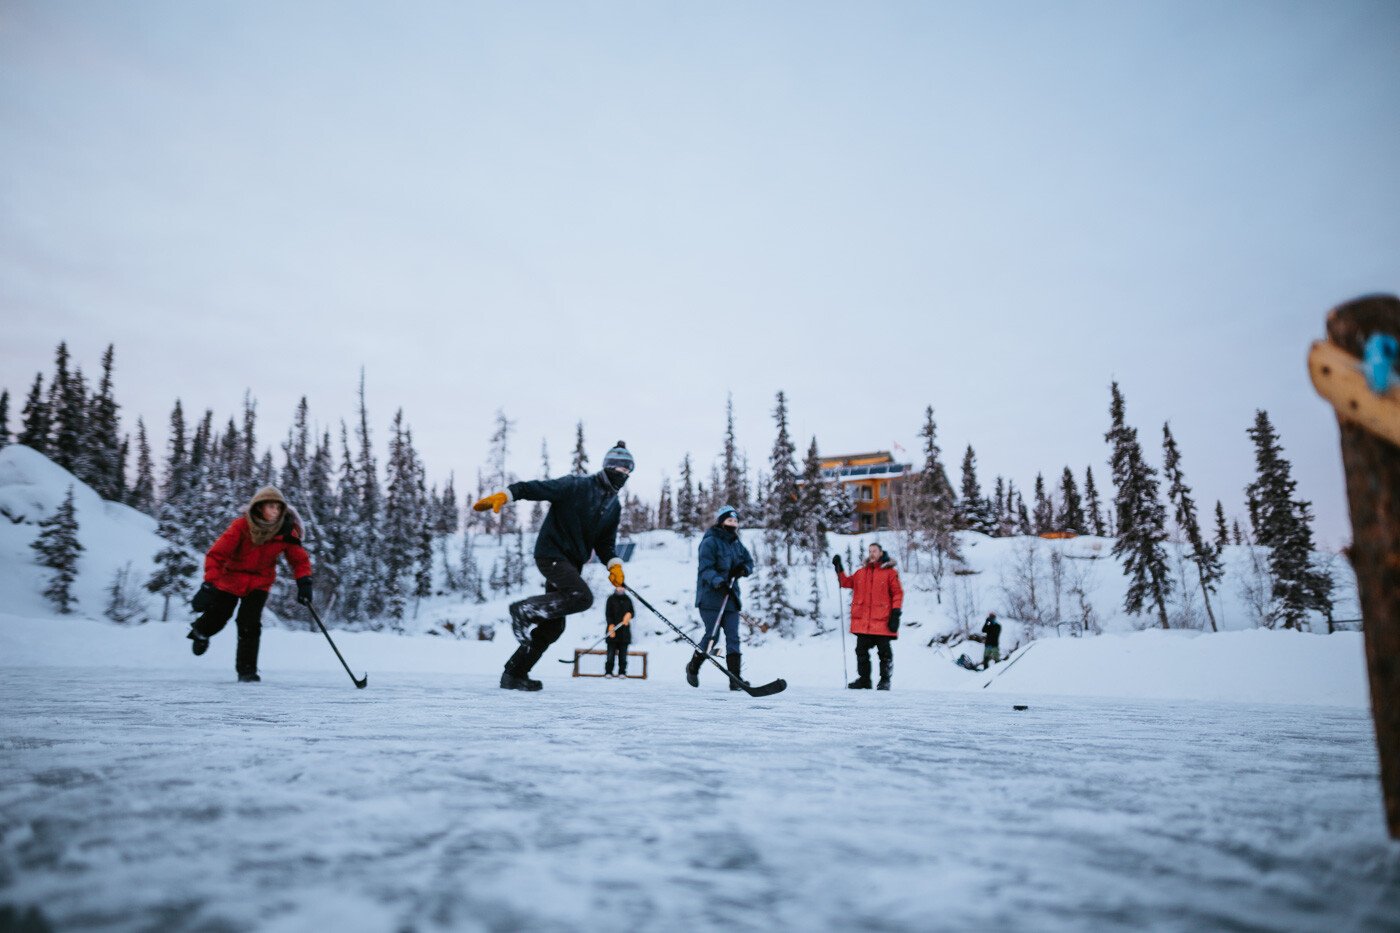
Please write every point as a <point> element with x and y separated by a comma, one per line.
<point>1378,361</point>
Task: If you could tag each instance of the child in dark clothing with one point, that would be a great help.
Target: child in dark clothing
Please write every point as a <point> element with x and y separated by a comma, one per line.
<point>619,612</point>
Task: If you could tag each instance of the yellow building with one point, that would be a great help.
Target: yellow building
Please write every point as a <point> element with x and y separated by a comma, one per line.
<point>873,480</point>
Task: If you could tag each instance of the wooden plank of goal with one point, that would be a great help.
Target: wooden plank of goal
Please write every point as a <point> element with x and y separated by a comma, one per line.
<point>580,652</point>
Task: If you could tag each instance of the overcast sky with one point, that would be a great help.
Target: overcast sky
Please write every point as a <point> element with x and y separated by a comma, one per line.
<point>620,212</point>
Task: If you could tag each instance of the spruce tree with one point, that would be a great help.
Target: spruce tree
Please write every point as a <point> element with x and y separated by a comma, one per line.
<point>66,411</point>
<point>999,511</point>
<point>177,457</point>
<point>578,466</point>
<point>1222,531</point>
<point>1044,516</point>
<point>733,476</point>
<point>1283,524</point>
<point>935,506</point>
<point>773,586</point>
<point>34,432</point>
<point>5,436</point>
<point>400,521</point>
<point>369,512</point>
<point>687,517</point>
<point>665,508</point>
<point>811,503</point>
<point>295,480</point>
<point>1209,570</point>
<point>449,511</point>
<point>1071,517</point>
<point>784,514</point>
<point>58,548</point>
<point>1141,518</point>
<point>142,496</point>
<point>175,563</point>
<point>975,513</point>
<point>1094,509</point>
<point>102,439</point>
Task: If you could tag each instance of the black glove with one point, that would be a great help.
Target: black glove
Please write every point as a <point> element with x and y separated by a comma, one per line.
<point>304,591</point>
<point>894,622</point>
<point>836,562</point>
<point>201,600</point>
<point>738,570</point>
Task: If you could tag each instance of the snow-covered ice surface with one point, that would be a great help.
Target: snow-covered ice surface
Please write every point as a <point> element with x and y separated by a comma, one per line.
<point>168,799</point>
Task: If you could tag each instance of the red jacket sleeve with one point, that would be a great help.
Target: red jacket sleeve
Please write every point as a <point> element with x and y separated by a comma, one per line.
<point>298,558</point>
<point>848,581</point>
<point>223,549</point>
<point>896,591</point>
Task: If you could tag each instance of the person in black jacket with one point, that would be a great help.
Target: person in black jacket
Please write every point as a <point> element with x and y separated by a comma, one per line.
<point>619,612</point>
<point>991,641</point>
<point>582,521</point>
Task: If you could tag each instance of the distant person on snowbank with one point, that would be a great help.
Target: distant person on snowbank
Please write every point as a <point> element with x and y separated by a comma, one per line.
<point>240,569</point>
<point>618,612</point>
<point>876,605</point>
<point>582,521</point>
<point>723,560</point>
<point>991,641</point>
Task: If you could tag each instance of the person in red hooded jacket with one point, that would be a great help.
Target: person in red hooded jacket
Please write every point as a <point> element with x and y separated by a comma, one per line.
<point>240,569</point>
<point>876,603</point>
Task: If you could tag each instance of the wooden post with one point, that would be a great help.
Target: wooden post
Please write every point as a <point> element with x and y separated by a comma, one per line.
<point>1372,466</point>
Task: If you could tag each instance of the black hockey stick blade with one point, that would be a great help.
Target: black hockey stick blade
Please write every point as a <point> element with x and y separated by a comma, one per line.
<point>362,683</point>
<point>765,690</point>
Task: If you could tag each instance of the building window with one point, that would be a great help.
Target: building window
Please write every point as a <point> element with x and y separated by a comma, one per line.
<point>882,490</point>
<point>866,493</point>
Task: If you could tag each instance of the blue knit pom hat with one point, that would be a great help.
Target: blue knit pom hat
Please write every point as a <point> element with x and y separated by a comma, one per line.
<point>619,456</point>
<point>724,511</point>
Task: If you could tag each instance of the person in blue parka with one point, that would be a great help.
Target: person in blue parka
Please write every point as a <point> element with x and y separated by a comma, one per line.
<point>723,561</point>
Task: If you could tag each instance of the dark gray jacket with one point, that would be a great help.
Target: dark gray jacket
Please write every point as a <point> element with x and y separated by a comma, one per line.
<point>720,552</point>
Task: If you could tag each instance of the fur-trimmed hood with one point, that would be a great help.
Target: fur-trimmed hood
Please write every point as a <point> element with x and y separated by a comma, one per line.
<point>290,525</point>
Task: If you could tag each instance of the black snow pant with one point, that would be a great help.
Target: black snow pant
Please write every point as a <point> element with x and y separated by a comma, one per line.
<point>617,649</point>
<point>565,593</point>
<point>884,647</point>
<point>249,622</point>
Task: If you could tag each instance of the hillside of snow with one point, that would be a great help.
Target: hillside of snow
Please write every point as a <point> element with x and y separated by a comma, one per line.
<point>1079,589</point>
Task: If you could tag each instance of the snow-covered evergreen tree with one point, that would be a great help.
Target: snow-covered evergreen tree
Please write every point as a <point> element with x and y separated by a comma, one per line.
<point>1092,507</point>
<point>58,548</point>
<point>1044,515</point>
<point>783,509</point>
<point>399,544</point>
<point>1283,523</point>
<point>470,569</point>
<point>500,476</point>
<point>773,585</point>
<point>733,479</point>
<point>142,495</point>
<point>934,507</point>
<point>102,441</point>
<point>578,465</point>
<point>5,436</point>
<point>34,432</point>
<point>1209,570</point>
<point>687,516</point>
<point>1071,516</point>
<point>1141,518</point>
<point>975,512</point>
<point>175,564</point>
<point>67,411</point>
<point>1222,530</point>
<point>665,507</point>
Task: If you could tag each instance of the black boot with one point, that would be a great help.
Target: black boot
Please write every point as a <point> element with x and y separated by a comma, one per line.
<point>862,681</point>
<point>692,669</point>
<point>198,643</point>
<point>252,678</point>
<point>514,676</point>
<point>886,669</point>
<point>735,663</point>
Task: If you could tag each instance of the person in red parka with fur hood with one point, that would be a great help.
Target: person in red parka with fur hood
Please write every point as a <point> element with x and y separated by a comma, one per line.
<point>876,602</point>
<point>240,569</point>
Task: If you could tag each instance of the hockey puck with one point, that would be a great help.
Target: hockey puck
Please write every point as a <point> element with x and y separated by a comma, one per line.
<point>1020,707</point>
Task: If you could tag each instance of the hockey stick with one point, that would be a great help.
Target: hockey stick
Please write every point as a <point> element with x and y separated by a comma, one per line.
<point>363,681</point>
<point>592,647</point>
<point>845,674</point>
<point>777,686</point>
<point>1010,664</point>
